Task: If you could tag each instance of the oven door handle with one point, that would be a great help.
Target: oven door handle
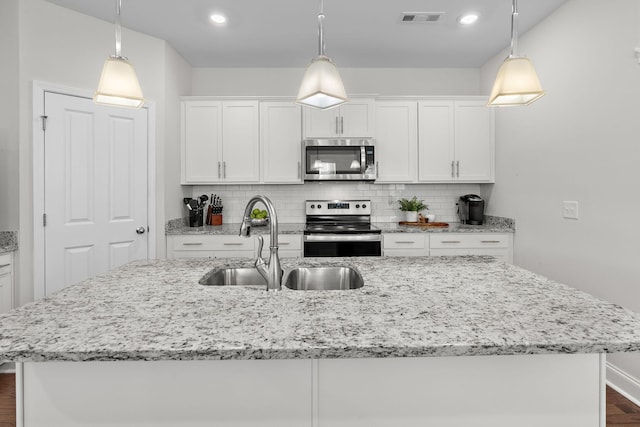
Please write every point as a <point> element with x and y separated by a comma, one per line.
<point>342,238</point>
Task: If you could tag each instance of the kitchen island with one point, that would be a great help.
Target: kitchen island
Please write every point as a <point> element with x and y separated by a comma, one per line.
<point>432,341</point>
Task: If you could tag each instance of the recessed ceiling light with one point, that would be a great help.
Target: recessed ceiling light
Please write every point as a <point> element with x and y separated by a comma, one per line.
<point>218,18</point>
<point>468,19</point>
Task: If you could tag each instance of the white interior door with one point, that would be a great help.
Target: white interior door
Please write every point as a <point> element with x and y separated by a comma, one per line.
<point>95,188</point>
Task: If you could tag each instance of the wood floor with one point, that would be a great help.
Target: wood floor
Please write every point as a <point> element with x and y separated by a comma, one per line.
<point>620,411</point>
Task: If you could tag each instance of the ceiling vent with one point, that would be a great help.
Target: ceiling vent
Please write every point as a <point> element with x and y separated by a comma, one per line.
<point>421,17</point>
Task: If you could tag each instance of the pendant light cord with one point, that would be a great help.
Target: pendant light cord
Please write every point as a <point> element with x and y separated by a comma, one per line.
<point>514,29</point>
<point>321,29</point>
<point>118,30</point>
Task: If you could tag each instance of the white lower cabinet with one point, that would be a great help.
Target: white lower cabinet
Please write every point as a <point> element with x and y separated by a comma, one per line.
<point>405,244</point>
<point>229,246</point>
<point>289,246</point>
<point>6,282</point>
<point>499,245</point>
<point>209,246</point>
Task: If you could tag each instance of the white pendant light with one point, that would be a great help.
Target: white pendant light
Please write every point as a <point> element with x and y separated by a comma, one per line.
<point>517,82</point>
<point>119,83</point>
<point>321,85</point>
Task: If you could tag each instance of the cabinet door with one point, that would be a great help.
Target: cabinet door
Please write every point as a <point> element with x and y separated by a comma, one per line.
<point>201,142</point>
<point>474,142</point>
<point>321,123</point>
<point>6,292</point>
<point>240,141</point>
<point>436,141</point>
<point>357,119</point>
<point>281,142</point>
<point>397,141</point>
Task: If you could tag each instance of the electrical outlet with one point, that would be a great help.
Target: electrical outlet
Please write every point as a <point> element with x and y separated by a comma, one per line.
<point>570,210</point>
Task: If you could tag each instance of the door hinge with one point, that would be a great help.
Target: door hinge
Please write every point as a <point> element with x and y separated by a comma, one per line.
<point>44,219</point>
<point>44,122</point>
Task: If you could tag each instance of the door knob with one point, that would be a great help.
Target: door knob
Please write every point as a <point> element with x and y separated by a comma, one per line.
<point>140,230</point>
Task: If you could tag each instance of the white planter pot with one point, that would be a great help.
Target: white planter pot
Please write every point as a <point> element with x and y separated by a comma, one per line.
<point>411,216</point>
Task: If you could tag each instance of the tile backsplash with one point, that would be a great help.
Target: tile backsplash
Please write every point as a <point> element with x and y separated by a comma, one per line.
<point>289,199</point>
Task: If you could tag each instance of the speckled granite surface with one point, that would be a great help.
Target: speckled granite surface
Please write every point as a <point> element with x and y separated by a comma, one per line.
<point>409,307</point>
<point>492,225</point>
<point>8,241</point>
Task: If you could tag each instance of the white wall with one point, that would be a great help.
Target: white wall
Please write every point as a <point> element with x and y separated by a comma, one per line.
<point>178,83</point>
<point>580,142</point>
<point>9,100</point>
<point>380,81</point>
<point>67,48</point>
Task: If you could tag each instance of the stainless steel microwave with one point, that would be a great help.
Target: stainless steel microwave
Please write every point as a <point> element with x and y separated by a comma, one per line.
<point>339,159</point>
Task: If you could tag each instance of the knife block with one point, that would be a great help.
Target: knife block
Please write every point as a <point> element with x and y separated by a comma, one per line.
<point>215,219</point>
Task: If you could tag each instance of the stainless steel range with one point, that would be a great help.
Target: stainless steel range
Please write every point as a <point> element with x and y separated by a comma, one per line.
<point>340,228</point>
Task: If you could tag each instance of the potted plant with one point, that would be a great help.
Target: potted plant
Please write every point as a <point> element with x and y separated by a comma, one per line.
<point>411,207</point>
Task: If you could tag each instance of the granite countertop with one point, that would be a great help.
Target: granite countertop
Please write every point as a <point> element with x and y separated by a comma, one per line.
<point>8,241</point>
<point>492,225</point>
<point>408,307</point>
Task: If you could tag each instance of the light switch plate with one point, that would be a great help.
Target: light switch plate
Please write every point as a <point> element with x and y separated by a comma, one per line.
<point>570,210</point>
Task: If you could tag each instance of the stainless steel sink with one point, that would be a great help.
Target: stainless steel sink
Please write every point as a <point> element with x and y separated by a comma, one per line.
<point>234,277</point>
<point>323,278</point>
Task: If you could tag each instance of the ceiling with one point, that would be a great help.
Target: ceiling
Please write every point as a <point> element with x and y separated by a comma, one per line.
<point>358,33</point>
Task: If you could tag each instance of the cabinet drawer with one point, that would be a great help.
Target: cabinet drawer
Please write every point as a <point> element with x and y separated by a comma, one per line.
<point>193,243</point>
<point>478,240</point>
<point>233,243</point>
<point>404,241</point>
<point>5,263</point>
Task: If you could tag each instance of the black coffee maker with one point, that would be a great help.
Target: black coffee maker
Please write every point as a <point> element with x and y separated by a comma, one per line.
<point>471,209</point>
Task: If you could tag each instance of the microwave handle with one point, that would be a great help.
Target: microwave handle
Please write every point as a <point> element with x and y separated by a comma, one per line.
<point>363,160</point>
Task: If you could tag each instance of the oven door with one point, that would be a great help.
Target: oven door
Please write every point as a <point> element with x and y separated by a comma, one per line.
<point>342,245</point>
<point>338,160</point>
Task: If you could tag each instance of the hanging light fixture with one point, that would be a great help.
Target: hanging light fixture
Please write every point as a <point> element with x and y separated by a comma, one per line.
<point>119,83</point>
<point>517,82</point>
<point>321,85</point>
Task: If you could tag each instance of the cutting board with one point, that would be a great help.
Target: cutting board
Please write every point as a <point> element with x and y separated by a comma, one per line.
<point>424,224</point>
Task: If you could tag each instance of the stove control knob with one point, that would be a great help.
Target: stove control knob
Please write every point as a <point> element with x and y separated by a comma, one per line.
<point>319,206</point>
<point>357,206</point>
<point>364,206</point>
<point>313,206</point>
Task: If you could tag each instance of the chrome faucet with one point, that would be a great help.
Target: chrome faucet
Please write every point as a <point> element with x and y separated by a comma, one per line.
<point>270,270</point>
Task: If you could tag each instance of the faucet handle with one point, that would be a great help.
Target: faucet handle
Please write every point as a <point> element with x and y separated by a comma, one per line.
<point>260,245</point>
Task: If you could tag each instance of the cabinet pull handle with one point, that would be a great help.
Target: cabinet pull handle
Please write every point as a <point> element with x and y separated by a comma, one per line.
<point>192,244</point>
<point>232,244</point>
<point>408,242</point>
<point>299,170</point>
<point>224,170</point>
<point>341,125</point>
<point>218,170</point>
<point>458,168</point>
<point>284,244</point>
<point>377,170</point>
<point>4,265</point>
<point>490,241</point>
<point>453,170</point>
<point>451,241</point>
<point>337,129</point>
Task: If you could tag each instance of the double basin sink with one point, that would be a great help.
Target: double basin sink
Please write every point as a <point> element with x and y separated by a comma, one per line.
<point>302,278</point>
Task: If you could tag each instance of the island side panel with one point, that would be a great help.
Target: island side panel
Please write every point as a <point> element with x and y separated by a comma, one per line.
<point>224,393</point>
<point>554,390</point>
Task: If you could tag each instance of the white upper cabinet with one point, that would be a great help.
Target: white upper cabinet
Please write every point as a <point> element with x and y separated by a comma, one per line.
<point>455,141</point>
<point>355,119</point>
<point>201,142</point>
<point>220,142</point>
<point>396,141</point>
<point>281,142</point>
<point>240,141</point>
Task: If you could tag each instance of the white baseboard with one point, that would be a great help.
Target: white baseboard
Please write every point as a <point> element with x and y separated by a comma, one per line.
<point>623,383</point>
